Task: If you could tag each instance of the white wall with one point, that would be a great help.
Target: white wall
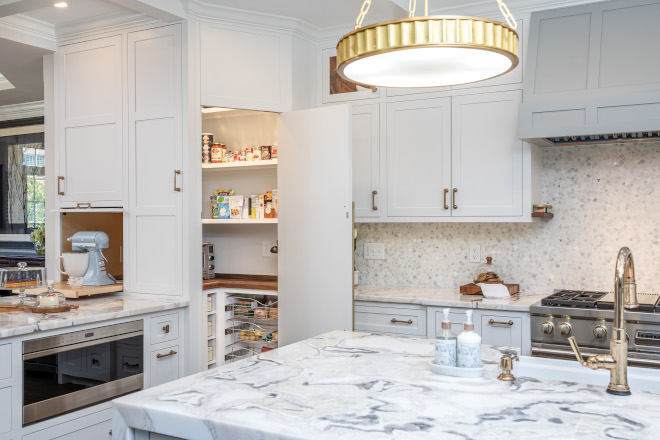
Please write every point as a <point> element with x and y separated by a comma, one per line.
<point>604,197</point>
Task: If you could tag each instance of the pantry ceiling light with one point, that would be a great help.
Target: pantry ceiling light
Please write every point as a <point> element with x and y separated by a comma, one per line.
<point>428,51</point>
<point>215,109</point>
<point>61,4</point>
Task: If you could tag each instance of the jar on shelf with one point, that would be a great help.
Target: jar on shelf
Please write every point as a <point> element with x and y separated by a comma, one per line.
<point>487,273</point>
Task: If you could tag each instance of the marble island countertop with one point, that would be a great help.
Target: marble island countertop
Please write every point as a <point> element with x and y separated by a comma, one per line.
<point>345,385</point>
<point>92,309</point>
<point>439,297</point>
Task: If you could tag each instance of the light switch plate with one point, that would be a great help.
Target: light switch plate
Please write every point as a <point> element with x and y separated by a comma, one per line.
<point>374,251</point>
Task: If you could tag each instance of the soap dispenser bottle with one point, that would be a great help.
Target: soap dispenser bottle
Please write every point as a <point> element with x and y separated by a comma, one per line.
<point>469,345</point>
<point>445,343</point>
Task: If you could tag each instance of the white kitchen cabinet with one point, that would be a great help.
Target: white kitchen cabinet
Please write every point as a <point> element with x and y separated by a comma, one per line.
<point>315,228</point>
<point>5,361</point>
<point>245,69</point>
<point>95,426</point>
<point>419,158</point>
<point>88,96</point>
<point>501,330</point>
<point>164,328</point>
<point>487,155</point>
<point>398,319</point>
<point>155,179</point>
<point>5,410</point>
<point>164,365</point>
<point>366,161</point>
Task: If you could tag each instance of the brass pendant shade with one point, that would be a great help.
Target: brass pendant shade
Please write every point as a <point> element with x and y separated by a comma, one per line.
<point>429,51</point>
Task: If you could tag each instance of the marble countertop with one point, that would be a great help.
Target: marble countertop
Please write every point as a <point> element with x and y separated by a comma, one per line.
<point>92,309</point>
<point>345,385</point>
<point>430,296</point>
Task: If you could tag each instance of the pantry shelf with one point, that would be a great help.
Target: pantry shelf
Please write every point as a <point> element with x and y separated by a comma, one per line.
<point>271,163</point>
<point>238,221</point>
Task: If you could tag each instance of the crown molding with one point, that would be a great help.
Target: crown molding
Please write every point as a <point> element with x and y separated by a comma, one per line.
<point>27,30</point>
<point>102,25</point>
<point>25,110</point>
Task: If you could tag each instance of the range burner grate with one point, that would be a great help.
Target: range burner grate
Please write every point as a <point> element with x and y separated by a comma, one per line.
<point>573,298</point>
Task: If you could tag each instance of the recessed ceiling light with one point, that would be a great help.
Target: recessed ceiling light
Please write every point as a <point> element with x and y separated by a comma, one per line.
<point>61,4</point>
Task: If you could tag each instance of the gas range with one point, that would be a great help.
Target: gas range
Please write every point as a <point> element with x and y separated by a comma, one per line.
<point>589,316</point>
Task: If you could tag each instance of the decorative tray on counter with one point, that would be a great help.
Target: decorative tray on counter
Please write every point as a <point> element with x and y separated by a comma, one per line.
<point>446,370</point>
<point>77,292</point>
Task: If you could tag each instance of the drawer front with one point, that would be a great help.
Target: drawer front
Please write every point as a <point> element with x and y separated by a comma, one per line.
<point>94,426</point>
<point>164,328</point>
<point>5,410</point>
<point>503,331</point>
<point>164,365</point>
<point>400,321</point>
<point>5,361</point>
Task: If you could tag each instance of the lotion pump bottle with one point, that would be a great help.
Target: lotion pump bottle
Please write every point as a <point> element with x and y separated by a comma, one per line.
<point>445,343</point>
<point>469,345</point>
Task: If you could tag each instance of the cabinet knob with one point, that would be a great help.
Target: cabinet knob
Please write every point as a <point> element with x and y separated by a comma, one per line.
<point>110,433</point>
<point>166,329</point>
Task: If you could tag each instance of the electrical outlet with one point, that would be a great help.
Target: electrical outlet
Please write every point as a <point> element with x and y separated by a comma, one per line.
<point>374,251</point>
<point>475,253</point>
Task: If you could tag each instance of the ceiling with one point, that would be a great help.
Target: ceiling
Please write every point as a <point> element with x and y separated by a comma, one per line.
<point>21,64</point>
<point>77,11</point>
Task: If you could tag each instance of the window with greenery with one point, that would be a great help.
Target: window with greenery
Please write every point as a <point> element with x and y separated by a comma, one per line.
<point>22,183</point>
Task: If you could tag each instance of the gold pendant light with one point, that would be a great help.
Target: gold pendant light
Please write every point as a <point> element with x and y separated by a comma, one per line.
<point>429,51</point>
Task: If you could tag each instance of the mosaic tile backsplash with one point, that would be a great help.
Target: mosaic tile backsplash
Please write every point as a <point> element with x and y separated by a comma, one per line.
<point>603,197</point>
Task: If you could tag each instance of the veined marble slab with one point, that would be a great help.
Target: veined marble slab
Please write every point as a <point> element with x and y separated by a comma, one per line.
<point>345,385</point>
<point>98,308</point>
<point>430,296</point>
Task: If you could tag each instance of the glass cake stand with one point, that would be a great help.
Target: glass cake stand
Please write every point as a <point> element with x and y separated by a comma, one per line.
<point>22,278</point>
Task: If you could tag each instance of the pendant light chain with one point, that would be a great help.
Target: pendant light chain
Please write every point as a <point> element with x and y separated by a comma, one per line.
<point>412,5</point>
<point>510,20</point>
<point>363,12</point>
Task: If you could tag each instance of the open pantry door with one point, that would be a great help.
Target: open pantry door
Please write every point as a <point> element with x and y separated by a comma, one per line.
<point>315,234</point>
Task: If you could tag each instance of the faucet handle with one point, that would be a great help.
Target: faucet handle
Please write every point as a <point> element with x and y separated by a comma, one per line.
<point>576,350</point>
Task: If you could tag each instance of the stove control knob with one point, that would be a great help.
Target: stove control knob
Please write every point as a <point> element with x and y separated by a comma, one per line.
<point>565,329</point>
<point>548,328</point>
<point>600,331</point>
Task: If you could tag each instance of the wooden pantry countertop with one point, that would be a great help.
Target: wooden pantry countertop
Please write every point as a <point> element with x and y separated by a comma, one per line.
<point>241,281</point>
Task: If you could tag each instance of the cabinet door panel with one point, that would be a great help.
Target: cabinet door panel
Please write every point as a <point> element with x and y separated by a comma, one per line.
<point>495,330</point>
<point>154,141</point>
<point>164,369</point>
<point>89,121</point>
<point>366,160</point>
<point>487,155</point>
<point>5,361</point>
<point>418,157</point>
<point>5,410</point>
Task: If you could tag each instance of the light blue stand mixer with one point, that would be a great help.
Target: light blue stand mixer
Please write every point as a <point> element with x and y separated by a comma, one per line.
<point>94,242</point>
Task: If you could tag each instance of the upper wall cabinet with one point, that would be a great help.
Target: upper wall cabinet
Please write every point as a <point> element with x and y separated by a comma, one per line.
<point>155,142</point>
<point>89,123</point>
<point>591,69</point>
<point>366,161</point>
<point>245,69</point>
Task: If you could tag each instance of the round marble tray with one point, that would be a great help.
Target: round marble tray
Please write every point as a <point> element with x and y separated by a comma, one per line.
<point>456,371</point>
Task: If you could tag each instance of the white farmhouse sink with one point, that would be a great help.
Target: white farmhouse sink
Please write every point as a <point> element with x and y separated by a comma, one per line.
<point>641,379</point>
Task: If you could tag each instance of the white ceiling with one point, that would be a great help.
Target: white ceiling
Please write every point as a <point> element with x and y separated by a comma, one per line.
<point>22,66</point>
<point>77,11</point>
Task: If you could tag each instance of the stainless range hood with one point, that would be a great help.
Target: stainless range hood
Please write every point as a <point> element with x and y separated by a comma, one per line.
<point>610,138</point>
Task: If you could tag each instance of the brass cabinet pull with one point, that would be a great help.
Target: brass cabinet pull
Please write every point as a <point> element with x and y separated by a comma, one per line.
<point>176,173</point>
<point>397,321</point>
<point>110,433</point>
<point>373,200</point>
<point>161,356</point>
<point>166,329</point>
<point>59,191</point>
<point>83,205</point>
<point>453,198</point>
<point>444,199</point>
<point>492,321</point>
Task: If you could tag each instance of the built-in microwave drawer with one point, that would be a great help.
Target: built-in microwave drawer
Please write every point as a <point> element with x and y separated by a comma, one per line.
<point>398,319</point>
<point>164,328</point>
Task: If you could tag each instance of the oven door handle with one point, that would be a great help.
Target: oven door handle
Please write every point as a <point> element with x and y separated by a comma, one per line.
<point>64,348</point>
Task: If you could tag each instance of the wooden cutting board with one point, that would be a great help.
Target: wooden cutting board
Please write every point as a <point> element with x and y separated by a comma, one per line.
<point>473,289</point>
<point>71,292</point>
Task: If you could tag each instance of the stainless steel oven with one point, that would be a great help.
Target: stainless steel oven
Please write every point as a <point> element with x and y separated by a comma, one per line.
<point>66,372</point>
